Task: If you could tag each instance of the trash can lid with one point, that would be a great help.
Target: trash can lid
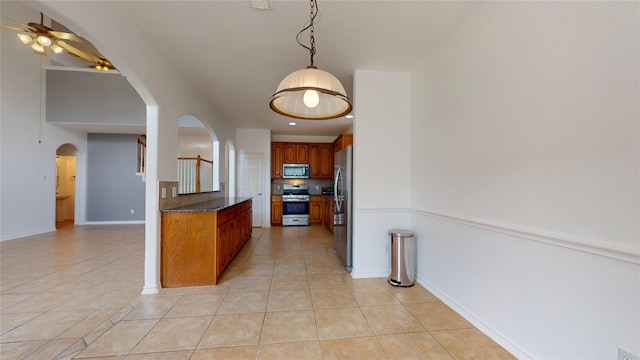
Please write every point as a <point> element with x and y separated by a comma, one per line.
<point>400,233</point>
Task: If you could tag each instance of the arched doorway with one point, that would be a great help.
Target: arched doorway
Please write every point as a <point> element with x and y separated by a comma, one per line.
<point>66,164</point>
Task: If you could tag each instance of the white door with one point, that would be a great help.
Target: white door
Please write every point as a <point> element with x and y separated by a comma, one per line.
<point>250,183</point>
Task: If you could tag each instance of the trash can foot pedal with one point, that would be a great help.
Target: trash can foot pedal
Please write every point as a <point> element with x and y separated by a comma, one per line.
<point>398,283</point>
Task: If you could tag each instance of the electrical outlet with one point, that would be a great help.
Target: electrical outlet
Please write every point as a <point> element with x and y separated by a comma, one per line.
<point>164,193</point>
<point>625,355</point>
<point>317,187</point>
<point>174,191</point>
<point>132,211</point>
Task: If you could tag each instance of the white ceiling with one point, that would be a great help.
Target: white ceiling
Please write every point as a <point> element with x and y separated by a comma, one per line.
<point>237,55</point>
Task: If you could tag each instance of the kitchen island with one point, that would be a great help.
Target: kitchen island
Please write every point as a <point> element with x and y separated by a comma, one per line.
<point>198,241</point>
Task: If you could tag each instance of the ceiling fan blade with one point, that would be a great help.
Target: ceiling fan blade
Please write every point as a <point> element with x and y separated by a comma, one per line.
<point>79,53</point>
<point>13,28</point>
<point>17,22</point>
<point>28,27</point>
<point>66,36</point>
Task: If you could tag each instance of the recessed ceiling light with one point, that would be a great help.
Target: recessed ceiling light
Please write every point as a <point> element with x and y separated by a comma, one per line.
<point>292,124</point>
<point>349,116</point>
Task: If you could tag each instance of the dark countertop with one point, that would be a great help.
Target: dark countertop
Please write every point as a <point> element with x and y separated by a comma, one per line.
<point>211,205</point>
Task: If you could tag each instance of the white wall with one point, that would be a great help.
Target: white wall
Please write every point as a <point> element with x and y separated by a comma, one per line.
<point>192,146</point>
<point>258,141</point>
<point>27,143</point>
<point>380,165</point>
<point>525,173</point>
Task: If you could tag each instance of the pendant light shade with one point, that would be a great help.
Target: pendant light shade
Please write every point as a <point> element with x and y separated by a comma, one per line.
<point>311,94</point>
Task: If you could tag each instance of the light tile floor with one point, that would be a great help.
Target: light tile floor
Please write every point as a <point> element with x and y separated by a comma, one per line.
<point>75,294</point>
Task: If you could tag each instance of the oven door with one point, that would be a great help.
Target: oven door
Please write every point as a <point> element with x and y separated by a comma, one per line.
<point>295,213</point>
<point>295,208</point>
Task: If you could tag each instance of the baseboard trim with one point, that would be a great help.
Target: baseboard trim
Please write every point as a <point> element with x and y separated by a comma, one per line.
<point>150,289</point>
<point>588,246</point>
<point>23,235</point>
<point>486,329</point>
<point>114,222</point>
<point>368,274</point>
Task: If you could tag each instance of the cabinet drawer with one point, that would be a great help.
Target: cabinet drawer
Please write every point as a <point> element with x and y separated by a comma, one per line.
<point>226,215</point>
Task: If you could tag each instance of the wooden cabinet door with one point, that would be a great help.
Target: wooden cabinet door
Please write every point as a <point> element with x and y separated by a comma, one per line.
<point>326,161</point>
<point>315,210</point>
<point>222,247</point>
<point>277,159</point>
<point>325,210</point>
<point>276,211</point>
<point>315,162</point>
<point>289,153</point>
<point>231,245</point>
<point>302,153</point>
<point>321,161</point>
<point>328,212</point>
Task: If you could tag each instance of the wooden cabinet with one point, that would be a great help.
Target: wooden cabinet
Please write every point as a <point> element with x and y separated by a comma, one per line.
<point>327,211</point>
<point>318,156</point>
<point>315,210</point>
<point>277,159</point>
<point>287,153</point>
<point>234,229</point>
<point>296,153</point>
<point>342,141</point>
<point>321,161</point>
<point>196,246</point>
<point>276,211</point>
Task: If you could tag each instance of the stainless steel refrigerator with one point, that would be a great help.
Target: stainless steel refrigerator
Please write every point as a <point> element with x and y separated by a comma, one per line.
<point>342,218</point>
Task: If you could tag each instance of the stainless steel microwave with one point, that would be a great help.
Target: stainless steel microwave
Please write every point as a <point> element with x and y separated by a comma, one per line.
<point>295,171</point>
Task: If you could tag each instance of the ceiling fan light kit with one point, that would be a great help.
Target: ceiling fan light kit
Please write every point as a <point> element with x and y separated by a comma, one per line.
<point>311,93</point>
<point>44,37</point>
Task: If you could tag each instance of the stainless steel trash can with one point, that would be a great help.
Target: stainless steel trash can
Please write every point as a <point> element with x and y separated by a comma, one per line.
<point>403,247</point>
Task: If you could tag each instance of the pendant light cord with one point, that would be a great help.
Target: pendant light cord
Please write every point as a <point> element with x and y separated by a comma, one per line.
<point>313,13</point>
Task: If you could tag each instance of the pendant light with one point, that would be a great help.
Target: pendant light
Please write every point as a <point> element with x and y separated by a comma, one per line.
<point>311,93</point>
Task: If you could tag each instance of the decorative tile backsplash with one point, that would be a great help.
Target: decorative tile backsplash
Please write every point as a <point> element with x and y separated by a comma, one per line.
<point>315,185</point>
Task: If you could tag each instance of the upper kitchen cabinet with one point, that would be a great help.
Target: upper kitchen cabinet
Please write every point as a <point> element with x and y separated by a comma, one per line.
<point>321,161</point>
<point>296,153</point>
<point>342,141</point>
<point>277,159</point>
<point>319,156</point>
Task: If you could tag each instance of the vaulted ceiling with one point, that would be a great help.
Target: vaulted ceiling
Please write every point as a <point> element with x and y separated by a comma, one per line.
<point>236,55</point>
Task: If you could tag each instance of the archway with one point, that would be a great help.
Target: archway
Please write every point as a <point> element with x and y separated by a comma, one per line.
<point>66,176</point>
<point>198,141</point>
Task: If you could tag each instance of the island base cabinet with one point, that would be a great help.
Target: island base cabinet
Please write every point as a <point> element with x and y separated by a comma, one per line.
<point>196,246</point>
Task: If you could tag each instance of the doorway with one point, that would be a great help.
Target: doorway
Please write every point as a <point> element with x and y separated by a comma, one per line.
<point>250,184</point>
<point>66,161</point>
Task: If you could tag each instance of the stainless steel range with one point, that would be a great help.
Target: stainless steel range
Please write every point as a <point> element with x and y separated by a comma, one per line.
<point>295,204</point>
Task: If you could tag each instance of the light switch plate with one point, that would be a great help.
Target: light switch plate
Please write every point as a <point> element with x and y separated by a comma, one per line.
<point>174,191</point>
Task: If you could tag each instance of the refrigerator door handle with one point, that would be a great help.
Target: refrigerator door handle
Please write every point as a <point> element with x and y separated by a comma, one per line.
<point>337,196</point>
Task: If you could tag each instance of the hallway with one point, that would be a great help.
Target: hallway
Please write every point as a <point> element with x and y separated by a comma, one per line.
<point>75,294</point>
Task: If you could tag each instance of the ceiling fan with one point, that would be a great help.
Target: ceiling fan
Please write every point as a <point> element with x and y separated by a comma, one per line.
<point>41,37</point>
